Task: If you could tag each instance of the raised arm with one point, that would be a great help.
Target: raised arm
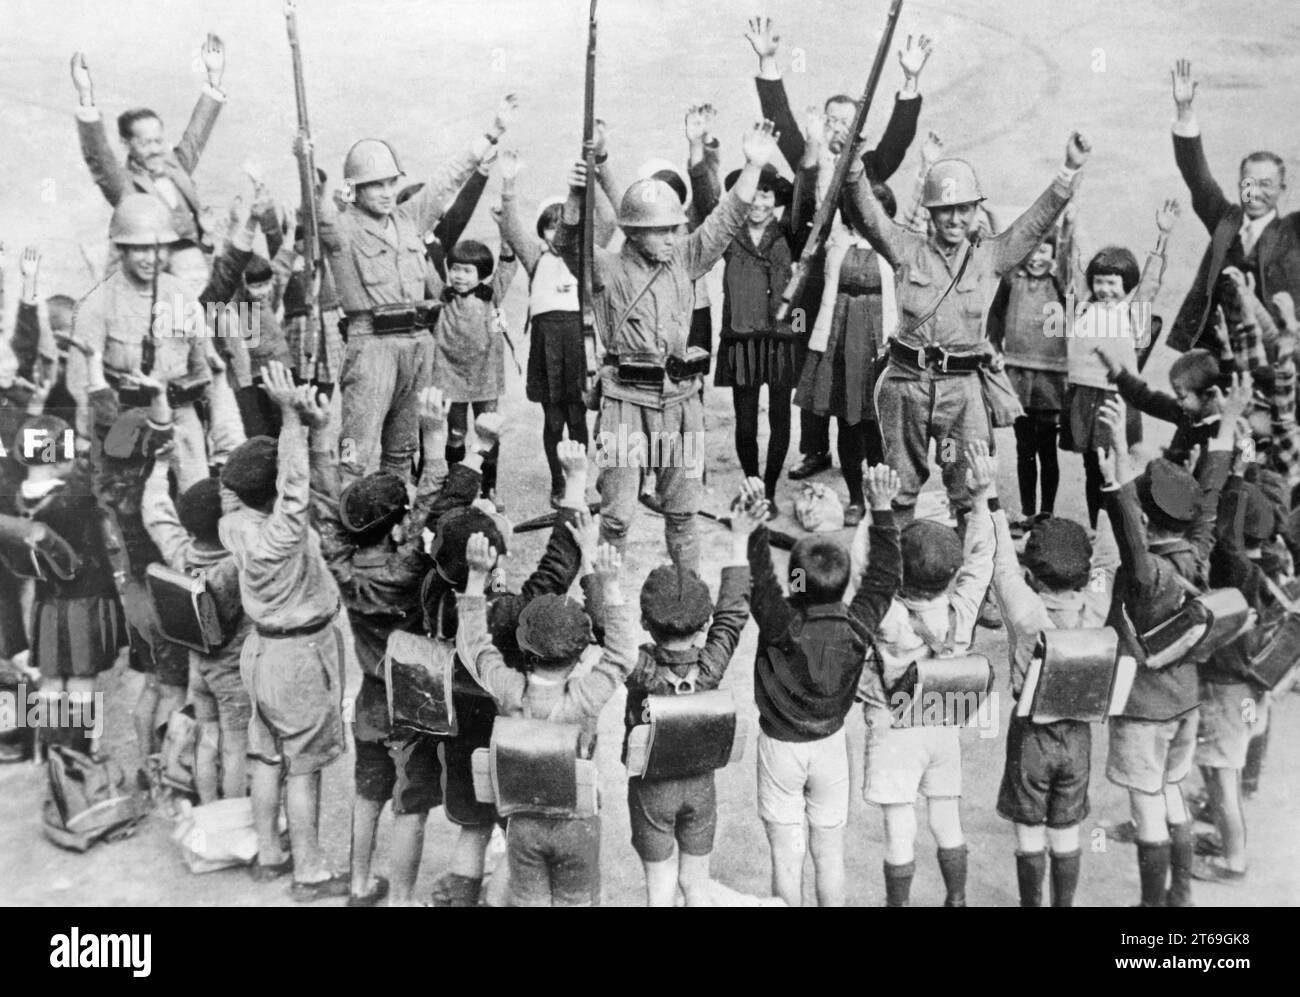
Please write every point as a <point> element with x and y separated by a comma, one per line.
<point>1208,200</point>
<point>1023,236</point>
<point>160,519</point>
<point>1153,271</point>
<point>454,221</point>
<point>732,608</point>
<point>772,98</point>
<point>527,246</point>
<point>884,570</point>
<point>887,238</point>
<point>883,161</point>
<point>285,529</point>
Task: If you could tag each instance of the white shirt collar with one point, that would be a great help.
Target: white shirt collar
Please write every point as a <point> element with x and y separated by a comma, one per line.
<point>1256,226</point>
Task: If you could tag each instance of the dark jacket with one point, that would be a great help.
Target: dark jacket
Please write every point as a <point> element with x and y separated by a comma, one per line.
<point>1160,405</point>
<point>810,657</point>
<point>1277,252</point>
<point>1147,594</point>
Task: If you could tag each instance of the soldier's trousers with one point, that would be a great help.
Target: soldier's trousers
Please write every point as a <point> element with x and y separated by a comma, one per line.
<point>382,379</point>
<point>671,442</point>
<point>915,407</point>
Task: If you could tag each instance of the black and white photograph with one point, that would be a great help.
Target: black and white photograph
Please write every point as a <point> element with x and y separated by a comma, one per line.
<point>570,453</point>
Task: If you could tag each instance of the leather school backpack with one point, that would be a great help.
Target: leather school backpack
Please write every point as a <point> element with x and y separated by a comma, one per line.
<point>90,801</point>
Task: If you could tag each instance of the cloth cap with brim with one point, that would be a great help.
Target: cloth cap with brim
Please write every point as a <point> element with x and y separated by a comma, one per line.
<point>675,602</point>
<point>781,188</point>
<point>1169,494</point>
<point>250,471</point>
<point>553,628</point>
<point>378,499</point>
<point>931,555</point>
<point>1059,554</point>
<point>452,533</point>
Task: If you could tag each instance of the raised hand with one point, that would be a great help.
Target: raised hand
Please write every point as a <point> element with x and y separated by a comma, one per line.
<point>695,123</point>
<point>577,177</point>
<point>759,143</point>
<point>982,475</point>
<point>480,555</point>
<point>29,265</point>
<point>214,59</point>
<point>1237,399</point>
<point>278,384</point>
<point>1184,85</point>
<point>313,406</point>
<point>882,486</point>
<point>608,562</point>
<point>931,150</point>
<point>81,80</point>
<point>586,534</point>
<point>1077,150</point>
<point>1167,215</point>
<point>913,57</point>
<point>762,37</point>
<point>599,138</point>
<point>749,508</point>
<point>1285,306</point>
<point>572,456</point>
<point>505,114</point>
<point>509,165</point>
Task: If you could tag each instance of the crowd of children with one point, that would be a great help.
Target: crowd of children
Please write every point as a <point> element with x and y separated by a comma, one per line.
<point>322,497</point>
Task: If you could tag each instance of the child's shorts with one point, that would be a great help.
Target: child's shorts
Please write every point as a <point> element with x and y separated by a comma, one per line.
<point>402,766</point>
<point>218,695</point>
<point>664,811</point>
<point>804,780</point>
<point>1145,755</point>
<point>904,761</point>
<point>554,861</point>
<point>296,687</point>
<point>1231,714</point>
<point>1045,780</point>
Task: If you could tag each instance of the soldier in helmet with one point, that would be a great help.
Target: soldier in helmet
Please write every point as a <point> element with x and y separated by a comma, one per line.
<point>945,284</point>
<point>147,326</point>
<point>388,291</point>
<point>652,415</point>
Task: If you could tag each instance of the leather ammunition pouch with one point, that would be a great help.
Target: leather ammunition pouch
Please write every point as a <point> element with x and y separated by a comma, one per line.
<point>31,549</point>
<point>187,609</point>
<point>684,736</point>
<point>187,390</point>
<point>127,396</point>
<point>532,767</point>
<point>418,672</point>
<point>694,364</point>
<point>387,320</point>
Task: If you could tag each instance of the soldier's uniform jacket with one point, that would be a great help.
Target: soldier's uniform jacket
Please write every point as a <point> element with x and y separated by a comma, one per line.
<point>659,323</point>
<point>659,670</point>
<point>923,269</point>
<point>115,318</point>
<point>1146,589</point>
<point>376,262</point>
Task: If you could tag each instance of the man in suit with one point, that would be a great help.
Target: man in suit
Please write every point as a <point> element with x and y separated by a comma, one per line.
<point>1251,235</point>
<point>151,167</point>
<point>880,163</point>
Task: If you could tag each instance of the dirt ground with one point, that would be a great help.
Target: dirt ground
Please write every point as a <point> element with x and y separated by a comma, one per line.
<point>1008,81</point>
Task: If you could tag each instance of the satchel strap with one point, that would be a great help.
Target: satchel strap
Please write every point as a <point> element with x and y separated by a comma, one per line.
<point>627,312</point>
<point>934,306</point>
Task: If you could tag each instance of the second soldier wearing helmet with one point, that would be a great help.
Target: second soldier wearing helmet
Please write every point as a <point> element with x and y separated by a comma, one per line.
<point>650,382</point>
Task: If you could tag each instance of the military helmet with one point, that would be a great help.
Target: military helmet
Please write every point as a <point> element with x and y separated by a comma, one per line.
<point>650,203</point>
<point>369,160</point>
<point>950,182</point>
<point>142,220</point>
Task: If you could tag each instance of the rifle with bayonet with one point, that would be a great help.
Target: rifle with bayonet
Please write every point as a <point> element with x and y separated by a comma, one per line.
<point>586,247</point>
<point>317,345</point>
<point>821,224</point>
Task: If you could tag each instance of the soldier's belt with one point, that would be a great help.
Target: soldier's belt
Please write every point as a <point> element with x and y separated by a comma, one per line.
<point>127,396</point>
<point>935,358</point>
<point>649,369</point>
<point>388,320</point>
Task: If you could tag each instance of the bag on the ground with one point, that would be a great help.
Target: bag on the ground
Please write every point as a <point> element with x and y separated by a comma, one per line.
<point>217,835</point>
<point>818,509</point>
<point>90,801</point>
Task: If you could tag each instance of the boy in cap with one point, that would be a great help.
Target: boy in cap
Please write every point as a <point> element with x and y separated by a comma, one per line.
<point>933,614</point>
<point>292,662</point>
<point>186,535</point>
<point>1164,522</point>
<point>570,548</point>
<point>651,378</point>
<point>1061,582</point>
<point>554,861</point>
<point>374,547</point>
<point>675,609</point>
<point>807,666</point>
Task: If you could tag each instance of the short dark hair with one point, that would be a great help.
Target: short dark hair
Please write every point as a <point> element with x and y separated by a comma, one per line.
<point>473,253</point>
<point>258,270</point>
<point>1198,370</point>
<point>839,98</point>
<point>674,180</point>
<point>199,509</point>
<point>127,119</point>
<point>550,217</point>
<point>1263,156</point>
<point>1114,261</point>
<point>819,571</point>
<point>408,192</point>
